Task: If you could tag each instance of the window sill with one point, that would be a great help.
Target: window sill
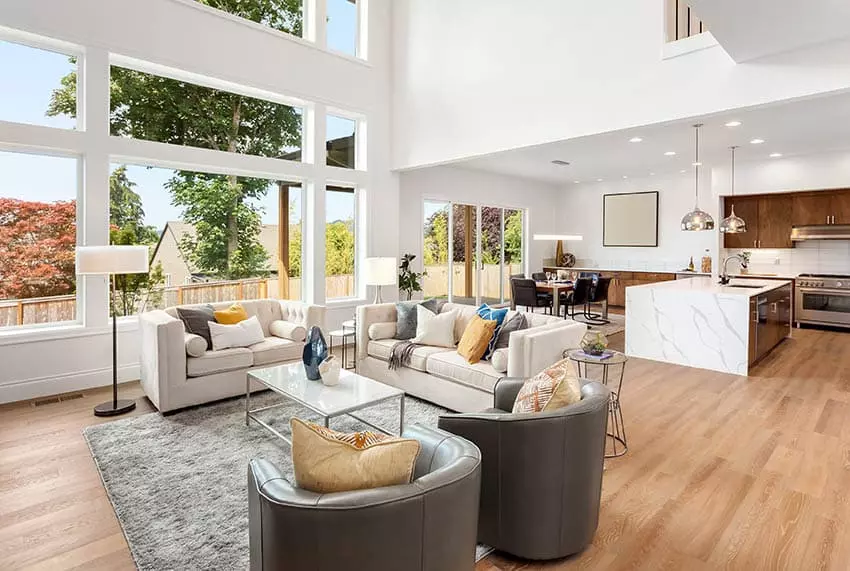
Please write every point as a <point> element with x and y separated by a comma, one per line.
<point>47,332</point>
<point>345,302</point>
<point>685,46</point>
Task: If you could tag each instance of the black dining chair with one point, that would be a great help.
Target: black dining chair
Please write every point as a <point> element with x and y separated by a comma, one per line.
<point>543,295</point>
<point>581,295</point>
<point>524,292</point>
<point>592,275</point>
<point>598,294</point>
<point>539,276</point>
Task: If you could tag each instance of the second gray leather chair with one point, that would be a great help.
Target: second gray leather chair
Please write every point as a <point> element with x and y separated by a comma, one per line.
<point>428,525</point>
<point>541,473</point>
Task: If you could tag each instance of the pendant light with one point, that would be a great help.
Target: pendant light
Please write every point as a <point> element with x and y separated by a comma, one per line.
<point>733,224</point>
<point>697,219</point>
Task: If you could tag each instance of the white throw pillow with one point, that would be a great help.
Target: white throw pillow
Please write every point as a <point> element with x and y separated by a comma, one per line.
<point>287,330</point>
<point>499,360</point>
<point>433,329</point>
<point>242,334</point>
<point>382,330</point>
<point>196,345</point>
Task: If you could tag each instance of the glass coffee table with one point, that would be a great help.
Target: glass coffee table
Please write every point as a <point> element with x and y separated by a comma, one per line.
<point>354,392</point>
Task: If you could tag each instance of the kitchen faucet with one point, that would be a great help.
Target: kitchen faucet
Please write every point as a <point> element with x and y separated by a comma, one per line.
<point>724,277</point>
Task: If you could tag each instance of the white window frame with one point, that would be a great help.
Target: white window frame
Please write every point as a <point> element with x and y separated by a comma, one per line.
<point>360,128</point>
<point>359,253</point>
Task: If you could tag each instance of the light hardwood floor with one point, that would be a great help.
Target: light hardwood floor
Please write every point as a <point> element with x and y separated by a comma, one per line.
<point>723,472</point>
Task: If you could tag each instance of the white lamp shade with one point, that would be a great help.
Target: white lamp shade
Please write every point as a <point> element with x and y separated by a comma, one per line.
<point>98,260</point>
<point>568,237</point>
<point>380,271</point>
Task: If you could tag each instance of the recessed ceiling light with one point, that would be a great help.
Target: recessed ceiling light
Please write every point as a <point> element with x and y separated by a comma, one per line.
<point>757,141</point>
<point>561,163</point>
<point>652,174</point>
<point>733,124</point>
<point>576,181</point>
<point>635,140</point>
<point>669,153</point>
<point>696,164</point>
<point>683,171</point>
<point>598,180</point>
<point>775,155</point>
<point>624,176</point>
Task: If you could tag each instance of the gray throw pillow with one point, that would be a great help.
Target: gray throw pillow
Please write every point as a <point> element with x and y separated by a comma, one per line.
<point>196,320</point>
<point>434,304</point>
<point>406,319</point>
<point>515,323</point>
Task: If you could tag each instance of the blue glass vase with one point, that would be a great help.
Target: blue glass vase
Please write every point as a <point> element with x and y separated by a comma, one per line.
<point>315,351</point>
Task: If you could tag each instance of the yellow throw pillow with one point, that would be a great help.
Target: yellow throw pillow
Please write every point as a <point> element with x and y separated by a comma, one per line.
<point>475,339</point>
<point>327,461</point>
<point>551,389</point>
<point>232,315</point>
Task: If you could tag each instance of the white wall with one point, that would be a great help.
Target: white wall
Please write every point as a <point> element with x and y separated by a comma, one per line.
<point>184,35</point>
<point>481,188</point>
<point>807,172</point>
<point>582,209</point>
<point>477,77</point>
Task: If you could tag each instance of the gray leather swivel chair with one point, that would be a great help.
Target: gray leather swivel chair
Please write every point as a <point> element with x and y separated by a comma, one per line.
<point>541,473</point>
<point>428,525</point>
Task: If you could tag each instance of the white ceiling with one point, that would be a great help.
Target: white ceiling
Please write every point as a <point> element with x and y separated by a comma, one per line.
<point>756,28</point>
<point>809,126</point>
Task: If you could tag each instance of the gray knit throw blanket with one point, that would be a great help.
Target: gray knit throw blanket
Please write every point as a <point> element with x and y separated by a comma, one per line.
<point>401,354</point>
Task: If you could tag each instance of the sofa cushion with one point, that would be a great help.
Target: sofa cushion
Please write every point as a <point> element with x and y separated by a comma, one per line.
<point>232,315</point>
<point>476,338</point>
<point>497,315</point>
<point>515,322</point>
<point>196,320</point>
<point>499,360</point>
<point>242,334</point>
<point>449,365</point>
<point>381,349</point>
<point>287,330</point>
<point>435,330</point>
<point>219,361</point>
<point>551,389</point>
<point>382,330</point>
<point>275,350</point>
<point>406,319</point>
<point>196,345</point>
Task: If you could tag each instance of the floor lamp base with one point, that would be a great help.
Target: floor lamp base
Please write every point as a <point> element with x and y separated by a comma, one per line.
<point>114,408</point>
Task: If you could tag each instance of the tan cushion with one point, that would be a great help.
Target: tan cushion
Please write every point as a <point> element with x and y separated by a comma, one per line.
<point>382,348</point>
<point>219,361</point>
<point>551,389</point>
<point>327,461</point>
<point>276,350</point>
<point>449,365</point>
<point>232,315</point>
<point>196,345</point>
<point>476,338</point>
<point>287,330</point>
<point>383,330</point>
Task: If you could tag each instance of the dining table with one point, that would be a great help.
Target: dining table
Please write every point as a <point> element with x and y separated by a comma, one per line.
<point>555,287</point>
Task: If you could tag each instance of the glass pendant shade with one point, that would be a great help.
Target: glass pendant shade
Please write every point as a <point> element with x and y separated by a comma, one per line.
<point>733,224</point>
<point>697,220</point>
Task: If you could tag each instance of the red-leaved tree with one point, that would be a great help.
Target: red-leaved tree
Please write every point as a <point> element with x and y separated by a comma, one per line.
<point>37,241</point>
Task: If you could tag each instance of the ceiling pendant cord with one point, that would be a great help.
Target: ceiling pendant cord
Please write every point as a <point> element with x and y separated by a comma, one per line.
<point>696,168</point>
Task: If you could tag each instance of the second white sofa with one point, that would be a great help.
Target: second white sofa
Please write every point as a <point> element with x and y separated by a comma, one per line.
<point>441,376</point>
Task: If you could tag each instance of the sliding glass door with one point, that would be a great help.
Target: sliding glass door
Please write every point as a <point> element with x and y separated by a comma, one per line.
<point>470,251</point>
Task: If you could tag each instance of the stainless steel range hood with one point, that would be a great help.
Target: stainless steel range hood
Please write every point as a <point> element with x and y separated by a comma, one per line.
<point>820,232</point>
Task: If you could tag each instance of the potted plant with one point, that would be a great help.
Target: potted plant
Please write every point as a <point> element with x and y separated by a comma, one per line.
<point>409,281</point>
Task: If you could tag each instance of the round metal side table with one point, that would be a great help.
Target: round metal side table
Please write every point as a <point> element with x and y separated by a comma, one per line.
<point>350,327</point>
<point>343,335</point>
<point>616,427</point>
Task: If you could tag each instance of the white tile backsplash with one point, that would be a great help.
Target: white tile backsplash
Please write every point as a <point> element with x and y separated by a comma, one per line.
<point>815,257</point>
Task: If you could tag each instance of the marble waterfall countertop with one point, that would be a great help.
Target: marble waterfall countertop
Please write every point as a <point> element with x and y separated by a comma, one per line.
<point>695,322</point>
<point>746,287</point>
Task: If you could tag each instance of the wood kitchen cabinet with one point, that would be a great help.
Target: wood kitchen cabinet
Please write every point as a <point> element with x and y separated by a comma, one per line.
<point>841,206</point>
<point>768,218</point>
<point>810,209</point>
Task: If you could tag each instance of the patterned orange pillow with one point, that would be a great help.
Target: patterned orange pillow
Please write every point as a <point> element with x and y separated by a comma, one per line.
<point>325,460</point>
<point>553,388</point>
<point>476,338</point>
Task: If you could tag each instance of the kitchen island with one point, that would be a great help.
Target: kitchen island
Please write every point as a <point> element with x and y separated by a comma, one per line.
<point>699,323</point>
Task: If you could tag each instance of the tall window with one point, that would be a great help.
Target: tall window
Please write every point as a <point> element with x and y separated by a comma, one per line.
<point>38,212</point>
<point>29,77</point>
<point>341,141</point>
<point>208,242</point>
<point>282,15</point>
<point>165,110</point>
<point>435,249</point>
<point>340,243</point>
<point>342,26</point>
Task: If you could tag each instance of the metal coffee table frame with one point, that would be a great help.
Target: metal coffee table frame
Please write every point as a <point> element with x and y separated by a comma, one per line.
<point>249,412</point>
<point>616,427</point>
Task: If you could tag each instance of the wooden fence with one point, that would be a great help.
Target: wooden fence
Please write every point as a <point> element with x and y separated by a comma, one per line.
<point>64,307</point>
<point>436,282</point>
<point>681,22</point>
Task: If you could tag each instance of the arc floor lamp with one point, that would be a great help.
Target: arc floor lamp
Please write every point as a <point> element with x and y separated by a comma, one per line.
<point>111,261</point>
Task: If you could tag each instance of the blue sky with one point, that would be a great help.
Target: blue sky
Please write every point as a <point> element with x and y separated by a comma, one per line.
<point>29,77</point>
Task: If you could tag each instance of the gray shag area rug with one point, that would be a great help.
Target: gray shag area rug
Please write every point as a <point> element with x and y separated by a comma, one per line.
<point>179,483</point>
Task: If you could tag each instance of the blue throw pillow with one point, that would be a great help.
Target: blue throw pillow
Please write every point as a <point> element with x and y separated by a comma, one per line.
<point>497,315</point>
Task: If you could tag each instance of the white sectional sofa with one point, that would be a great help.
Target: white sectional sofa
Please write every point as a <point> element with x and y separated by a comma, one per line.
<point>172,379</point>
<point>442,376</point>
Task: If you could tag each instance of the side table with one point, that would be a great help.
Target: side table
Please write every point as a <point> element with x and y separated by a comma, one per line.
<point>616,427</point>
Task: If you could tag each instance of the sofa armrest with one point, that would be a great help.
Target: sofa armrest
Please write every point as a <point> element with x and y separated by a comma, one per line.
<point>162,359</point>
<point>366,316</point>
<point>532,350</point>
<point>304,314</point>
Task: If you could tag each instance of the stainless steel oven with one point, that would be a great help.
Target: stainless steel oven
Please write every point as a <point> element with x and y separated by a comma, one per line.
<point>823,299</point>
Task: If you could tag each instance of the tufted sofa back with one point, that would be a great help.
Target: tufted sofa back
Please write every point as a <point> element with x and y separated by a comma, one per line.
<point>266,310</point>
<point>467,312</point>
